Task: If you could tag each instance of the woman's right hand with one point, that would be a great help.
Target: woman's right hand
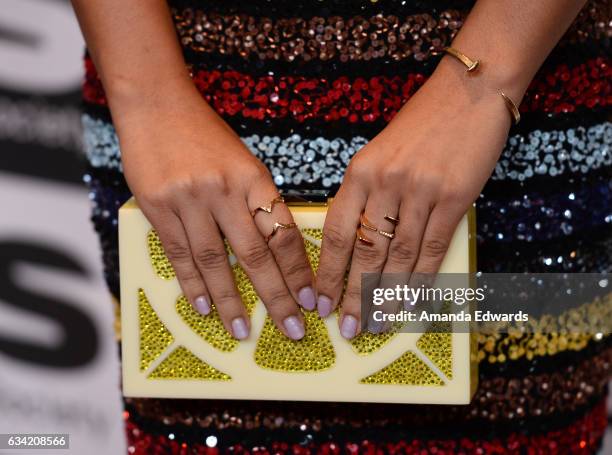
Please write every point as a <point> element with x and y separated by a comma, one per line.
<point>197,183</point>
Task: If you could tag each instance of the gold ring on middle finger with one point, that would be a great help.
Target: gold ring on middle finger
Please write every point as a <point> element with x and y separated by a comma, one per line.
<point>277,226</point>
<point>365,223</point>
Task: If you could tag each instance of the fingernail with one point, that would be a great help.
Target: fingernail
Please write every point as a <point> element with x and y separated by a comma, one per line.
<point>306,297</point>
<point>240,329</point>
<point>324,306</point>
<point>202,305</point>
<point>294,327</point>
<point>349,327</point>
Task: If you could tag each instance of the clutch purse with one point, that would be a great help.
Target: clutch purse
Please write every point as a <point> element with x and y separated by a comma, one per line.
<point>171,351</point>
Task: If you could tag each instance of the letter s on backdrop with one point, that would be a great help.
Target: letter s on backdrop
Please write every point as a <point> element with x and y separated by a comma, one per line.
<point>40,47</point>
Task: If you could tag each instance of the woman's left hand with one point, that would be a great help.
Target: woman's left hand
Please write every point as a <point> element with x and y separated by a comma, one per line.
<point>426,168</point>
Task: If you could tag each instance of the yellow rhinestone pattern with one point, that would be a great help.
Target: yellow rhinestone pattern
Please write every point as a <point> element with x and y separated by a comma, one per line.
<point>183,364</point>
<point>159,260</point>
<point>367,343</point>
<point>437,346</point>
<point>210,328</point>
<point>314,352</point>
<point>572,330</point>
<point>314,233</point>
<point>313,252</point>
<point>154,336</point>
<point>408,369</point>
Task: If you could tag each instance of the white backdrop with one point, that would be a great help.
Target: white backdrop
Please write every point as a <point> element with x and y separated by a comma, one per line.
<point>58,359</point>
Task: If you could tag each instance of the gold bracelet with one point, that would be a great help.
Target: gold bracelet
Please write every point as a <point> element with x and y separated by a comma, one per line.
<point>471,65</point>
<point>511,105</point>
<point>467,61</point>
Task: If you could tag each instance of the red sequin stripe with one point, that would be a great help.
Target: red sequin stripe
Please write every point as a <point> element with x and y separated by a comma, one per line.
<point>231,93</point>
<point>581,437</point>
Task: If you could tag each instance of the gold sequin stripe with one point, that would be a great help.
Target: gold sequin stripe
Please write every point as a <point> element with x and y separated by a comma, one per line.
<point>548,335</point>
<point>289,39</point>
<point>498,399</point>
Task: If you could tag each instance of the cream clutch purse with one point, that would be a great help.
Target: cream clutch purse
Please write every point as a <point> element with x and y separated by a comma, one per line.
<point>171,351</point>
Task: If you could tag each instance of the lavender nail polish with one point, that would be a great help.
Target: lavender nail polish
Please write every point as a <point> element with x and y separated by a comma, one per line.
<point>348,329</point>
<point>240,328</point>
<point>324,306</point>
<point>202,306</point>
<point>307,299</point>
<point>294,328</point>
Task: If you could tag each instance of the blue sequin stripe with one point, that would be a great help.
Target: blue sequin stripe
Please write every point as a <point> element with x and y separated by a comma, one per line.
<point>295,160</point>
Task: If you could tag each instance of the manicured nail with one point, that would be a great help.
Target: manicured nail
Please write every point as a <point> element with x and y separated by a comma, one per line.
<point>349,327</point>
<point>307,299</point>
<point>240,329</point>
<point>202,305</point>
<point>294,328</point>
<point>324,306</point>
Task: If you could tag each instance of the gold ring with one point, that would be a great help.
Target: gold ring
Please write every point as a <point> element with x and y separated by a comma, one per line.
<point>389,235</point>
<point>362,238</point>
<point>364,223</point>
<point>392,219</point>
<point>269,207</point>
<point>278,226</point>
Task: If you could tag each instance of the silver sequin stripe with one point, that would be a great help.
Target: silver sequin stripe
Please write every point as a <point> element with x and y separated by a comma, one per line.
<point>295,160</point>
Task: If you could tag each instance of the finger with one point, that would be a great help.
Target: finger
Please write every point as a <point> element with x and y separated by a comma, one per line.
<point>438,234</point>
<point>338,241</point>
<point>176,246</point>
<point>257,259</point>
<point>211,259</point>
<point>287,245</point>
<point>369,256</point>
<point>404,248</point>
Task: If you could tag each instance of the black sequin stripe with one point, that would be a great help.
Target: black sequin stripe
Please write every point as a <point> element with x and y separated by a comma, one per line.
<point>543,364</point>
<point>347,130</point>
<point>545,185</point>
<point>570,55</point>
<point>309,8</point>
<point>391,431</point>
<point>585,252</point>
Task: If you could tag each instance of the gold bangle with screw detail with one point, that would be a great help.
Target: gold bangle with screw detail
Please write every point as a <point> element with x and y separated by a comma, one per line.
<point>471,66</point>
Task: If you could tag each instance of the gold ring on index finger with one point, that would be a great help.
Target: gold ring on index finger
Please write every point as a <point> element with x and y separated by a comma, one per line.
<point>268,208</point>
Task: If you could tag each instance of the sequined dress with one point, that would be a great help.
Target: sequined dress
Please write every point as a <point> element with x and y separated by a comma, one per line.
<point>306,83</point>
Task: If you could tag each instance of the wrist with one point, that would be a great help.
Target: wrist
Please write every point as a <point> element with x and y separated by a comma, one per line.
<point>131,97</point>
<point>476,89</point>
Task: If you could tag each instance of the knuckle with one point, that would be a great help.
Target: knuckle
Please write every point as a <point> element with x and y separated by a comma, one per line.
<point>158,199</point>
<point>353,293</point>
<point>256,256</point>
<point>334,239</point>
<point>189,277</point>
<point>296,269</point>
<point>214,181</point>
<point>277,298</point>
<point>426,182</point>
<point>177,251</point>
<point>223,297</point>
<point>435,247</point>
<point>402,251</point>
<point>358,169</point>
<point>210,258</point>
<point>391,173</point>
<point>366,255</point>
<point>259,173</point>
<point>286,238</point>
<point>329,276</point>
